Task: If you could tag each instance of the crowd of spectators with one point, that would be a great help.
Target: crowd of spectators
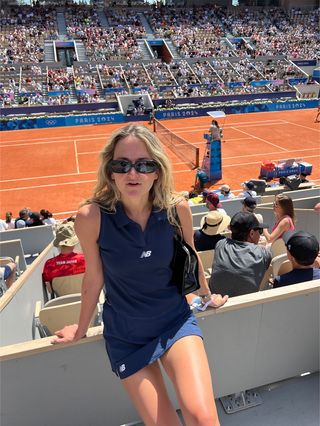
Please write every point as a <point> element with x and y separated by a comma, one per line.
<point>243,247</point>
<point>274,32</point>
<point>23,32</point>
<point>118,41</point>
<point>189,29</point>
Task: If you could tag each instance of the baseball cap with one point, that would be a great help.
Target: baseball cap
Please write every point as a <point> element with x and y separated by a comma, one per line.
<point>304,247</point>
<point>213,198</point>
<point>245,221</point>
<point>225,188</point>
<point>65,235</point>
<point>249,202</point>
<point>249,185</point>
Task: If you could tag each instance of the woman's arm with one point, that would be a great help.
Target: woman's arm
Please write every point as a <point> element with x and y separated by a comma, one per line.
<point>87,227</point>
<point>185,217</point>
<point>282,227</point>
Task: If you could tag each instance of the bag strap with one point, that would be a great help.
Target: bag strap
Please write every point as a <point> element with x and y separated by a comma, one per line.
<point>177,229</point>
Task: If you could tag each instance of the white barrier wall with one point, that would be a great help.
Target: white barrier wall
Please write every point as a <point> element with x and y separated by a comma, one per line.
<point>18,303</point>
<point>255,339</point>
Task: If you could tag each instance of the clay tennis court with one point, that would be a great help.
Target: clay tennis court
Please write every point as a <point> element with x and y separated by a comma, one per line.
<point>56,168</point>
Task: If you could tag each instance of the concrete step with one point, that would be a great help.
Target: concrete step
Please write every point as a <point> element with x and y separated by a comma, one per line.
<point>103,19</point>
<point>146,25</point>
<point>61,21</point>
<point>48,51</point>
<point>82,57</point>
<point>173,49</point>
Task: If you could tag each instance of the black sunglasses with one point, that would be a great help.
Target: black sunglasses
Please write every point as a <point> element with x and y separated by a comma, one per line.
<point>141,166</point>
<point>258,229</point>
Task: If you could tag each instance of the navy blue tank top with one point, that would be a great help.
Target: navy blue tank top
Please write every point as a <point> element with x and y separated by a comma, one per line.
<point>142,302</point>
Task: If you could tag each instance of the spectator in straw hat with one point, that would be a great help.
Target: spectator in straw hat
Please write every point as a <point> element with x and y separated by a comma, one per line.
<point>212,225</point>
<point>67,262</point>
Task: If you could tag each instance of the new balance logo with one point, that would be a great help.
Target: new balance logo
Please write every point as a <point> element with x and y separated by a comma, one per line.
<point>145,254</point>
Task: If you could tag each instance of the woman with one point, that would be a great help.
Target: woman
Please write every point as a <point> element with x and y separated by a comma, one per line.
<point>47,218</point>
<point>126,231</point>
<point>215,131</point>
<point>284,213</point>
<point>9,220</point>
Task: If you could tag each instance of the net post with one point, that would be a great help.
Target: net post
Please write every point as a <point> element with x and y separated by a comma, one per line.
<point>154,125</point>
<point>197,158</point>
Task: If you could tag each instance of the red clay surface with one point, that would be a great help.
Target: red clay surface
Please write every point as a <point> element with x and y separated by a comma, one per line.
<point>56,168</point>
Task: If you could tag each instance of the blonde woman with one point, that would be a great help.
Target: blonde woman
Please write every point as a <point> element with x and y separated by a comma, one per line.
<point>285,218</point>
<point>126,231</point>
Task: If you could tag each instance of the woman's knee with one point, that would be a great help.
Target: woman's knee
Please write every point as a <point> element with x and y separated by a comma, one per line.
<point>203,417</point>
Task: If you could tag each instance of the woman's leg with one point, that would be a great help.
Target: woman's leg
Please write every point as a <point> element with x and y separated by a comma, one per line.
<point>187,365</point>
<point>147,391</point>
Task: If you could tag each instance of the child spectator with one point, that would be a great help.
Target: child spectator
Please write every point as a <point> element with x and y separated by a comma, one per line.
<point>302,249</point>
<point>67,262</point>
<point>9,221</point>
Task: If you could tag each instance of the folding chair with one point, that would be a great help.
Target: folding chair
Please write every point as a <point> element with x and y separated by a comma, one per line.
<point>69,284</point>
<point>278,247</point>
<point>277,262</point>
<point>206,258</point>
<point>57,313</point>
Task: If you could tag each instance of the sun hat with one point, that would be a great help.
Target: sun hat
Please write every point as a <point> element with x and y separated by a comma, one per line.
<point>225,188</point>
<point>66,235</point>
<point>214,223</point>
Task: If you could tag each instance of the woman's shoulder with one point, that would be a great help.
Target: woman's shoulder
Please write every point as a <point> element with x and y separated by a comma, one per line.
<point>88,213</point>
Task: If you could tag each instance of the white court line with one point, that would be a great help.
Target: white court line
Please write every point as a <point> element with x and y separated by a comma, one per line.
<point>174,164</point>
<point>47,177</point>
<point>94,180</point>
<point>44,142</point>
<point>263,140</point>
<point>259,162</point>
<point>48,185</point>
<point>267,153</point>
<point>105,136</point>
<point>301,125</point>
<point>76,156</point>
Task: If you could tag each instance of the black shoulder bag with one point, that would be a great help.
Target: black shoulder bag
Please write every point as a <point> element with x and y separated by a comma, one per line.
<point>184,264</point>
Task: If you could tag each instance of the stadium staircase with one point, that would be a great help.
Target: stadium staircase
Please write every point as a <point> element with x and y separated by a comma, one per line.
<point>146,53</point>
<point>146,26</point>
<point>172,49</point>
<point>48,51</point>
<point>103,19</point>
<point>61,22</point>
<point>72,97</point>
<point>248,42</point>
<point>82,57</point>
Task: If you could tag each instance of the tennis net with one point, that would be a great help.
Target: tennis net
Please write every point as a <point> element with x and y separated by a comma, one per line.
<point>187,152</point>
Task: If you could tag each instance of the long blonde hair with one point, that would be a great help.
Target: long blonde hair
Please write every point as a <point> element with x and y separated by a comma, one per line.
<point>162,195</point>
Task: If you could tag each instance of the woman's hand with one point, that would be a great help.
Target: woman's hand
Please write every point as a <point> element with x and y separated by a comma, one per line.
<point>217,300</point>
<point>66,335</point>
